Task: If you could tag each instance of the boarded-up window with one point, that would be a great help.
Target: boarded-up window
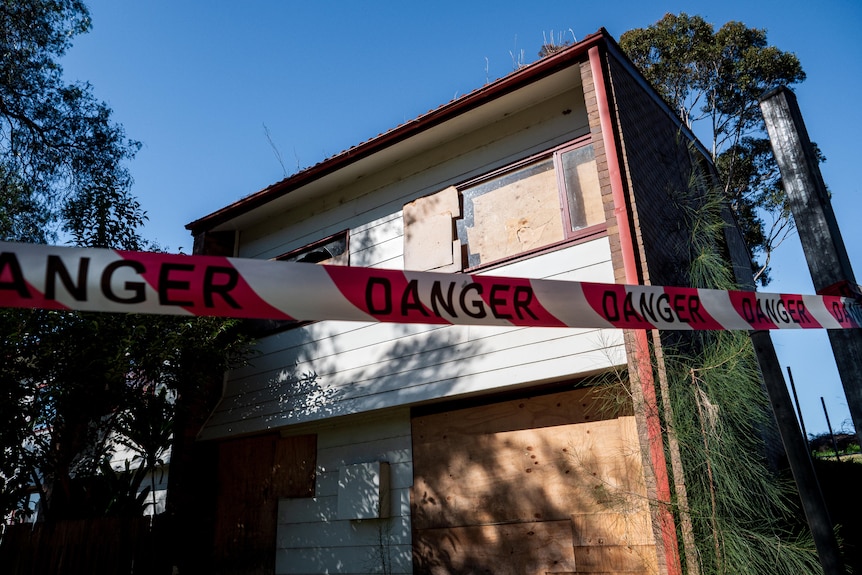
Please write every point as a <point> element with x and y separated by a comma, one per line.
<point>429,239</point>
<point>511,214</point>
<point>253,474</point>
<point>539,202</point>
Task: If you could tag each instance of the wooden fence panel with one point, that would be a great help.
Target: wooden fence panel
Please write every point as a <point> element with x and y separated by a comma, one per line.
<point>106,545</point>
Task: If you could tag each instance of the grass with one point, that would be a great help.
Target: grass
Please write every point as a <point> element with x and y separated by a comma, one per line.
<point>839,482</point>
<point>851,451</point>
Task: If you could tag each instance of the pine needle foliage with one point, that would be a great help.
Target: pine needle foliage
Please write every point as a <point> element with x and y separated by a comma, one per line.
<point>744,512</point>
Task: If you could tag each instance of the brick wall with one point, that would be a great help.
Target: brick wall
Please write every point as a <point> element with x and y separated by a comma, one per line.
<point>659,165</point>
<point>602,167</point>
<point>665,177</point>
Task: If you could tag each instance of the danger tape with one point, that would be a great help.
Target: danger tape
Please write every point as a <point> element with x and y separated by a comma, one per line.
<point>38,276</point>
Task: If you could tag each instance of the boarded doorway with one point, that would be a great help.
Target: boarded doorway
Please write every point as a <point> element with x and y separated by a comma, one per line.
<point>538,485</point>
<point>253,473</point>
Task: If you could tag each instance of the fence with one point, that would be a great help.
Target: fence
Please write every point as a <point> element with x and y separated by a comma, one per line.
<point>105,545</point>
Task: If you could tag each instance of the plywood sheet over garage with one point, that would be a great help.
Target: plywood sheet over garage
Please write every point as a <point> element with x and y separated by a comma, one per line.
<point>538,485</point>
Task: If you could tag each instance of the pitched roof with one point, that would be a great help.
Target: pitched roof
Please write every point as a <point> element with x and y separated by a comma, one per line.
<point>505,85</point>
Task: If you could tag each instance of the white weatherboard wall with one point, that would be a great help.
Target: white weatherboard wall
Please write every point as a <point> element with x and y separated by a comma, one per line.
<point>330,369</point>
<point>312,539</point>
<point>370,205</point>
<point>363,490</point>
<point>353,383</point>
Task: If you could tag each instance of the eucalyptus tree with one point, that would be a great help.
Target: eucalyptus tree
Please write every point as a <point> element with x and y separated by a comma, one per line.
<point>713,79</point>
<point>62,157</point>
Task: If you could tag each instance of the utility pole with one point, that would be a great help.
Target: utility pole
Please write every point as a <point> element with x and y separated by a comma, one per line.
<point>798,458</point>
<point>818,231</point>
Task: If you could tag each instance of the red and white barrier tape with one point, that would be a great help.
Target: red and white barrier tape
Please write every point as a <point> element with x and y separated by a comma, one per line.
<point>38,276</point>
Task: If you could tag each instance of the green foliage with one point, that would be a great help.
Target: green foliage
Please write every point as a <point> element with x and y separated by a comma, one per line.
<point>714,80</point>
<point>122,490</point>
<point>145,425</point>
<point>708,267</point>
<point>74,382</point>
<point>23,215</point>
<point>71,383</point>
<point>62,158</point>
<point>744,513</point>
<point>717,75</point>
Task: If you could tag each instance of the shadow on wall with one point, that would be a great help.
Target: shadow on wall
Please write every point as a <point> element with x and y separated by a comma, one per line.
<point>363,463</point>
<point>491,496</point>
<point>359,515</point>
<point>331,369</point>
<point>327,370</point>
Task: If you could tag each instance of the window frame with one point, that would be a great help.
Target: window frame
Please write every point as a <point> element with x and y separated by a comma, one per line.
<point>309,248</point>
<point>570,236</point>
<point>259,328</point>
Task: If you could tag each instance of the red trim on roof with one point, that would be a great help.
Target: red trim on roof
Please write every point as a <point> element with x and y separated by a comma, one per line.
<point>526,75</point>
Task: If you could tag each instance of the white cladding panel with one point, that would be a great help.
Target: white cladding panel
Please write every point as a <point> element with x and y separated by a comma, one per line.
<point>330,369</point>
<point>370,207</point>
<point>310,536</point>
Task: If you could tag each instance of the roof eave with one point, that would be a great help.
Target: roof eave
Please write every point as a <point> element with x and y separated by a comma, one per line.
<point>496,89</point>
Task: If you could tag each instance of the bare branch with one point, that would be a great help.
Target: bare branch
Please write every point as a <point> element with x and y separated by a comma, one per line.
<point>274,149</point>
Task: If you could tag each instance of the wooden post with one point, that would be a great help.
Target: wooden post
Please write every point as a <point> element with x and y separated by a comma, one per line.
<point>818,230</point>
<point>829,426</point>
<point>798,409</point>
<point>798,458</point>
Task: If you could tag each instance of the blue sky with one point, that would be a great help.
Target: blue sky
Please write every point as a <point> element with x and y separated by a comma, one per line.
<point>201,82</point>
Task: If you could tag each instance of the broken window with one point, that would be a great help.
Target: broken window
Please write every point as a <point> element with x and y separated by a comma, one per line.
<point>539,202</point>
<point>332,251</point>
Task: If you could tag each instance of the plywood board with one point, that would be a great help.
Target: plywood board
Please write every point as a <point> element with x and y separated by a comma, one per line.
<point>546,473</point>
<point>635,559</point>
<point>293,466</point>
<point>515,218</point>
<point>594,209</point>
<point>628,526</point>
<point>551,460</point>
<point>429,231</point>
<point>533,548</point>
<point>245,525</point>
<point>574,406</point>
<point>253,473</point>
